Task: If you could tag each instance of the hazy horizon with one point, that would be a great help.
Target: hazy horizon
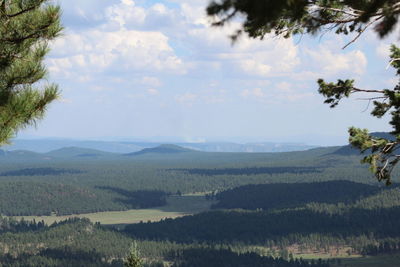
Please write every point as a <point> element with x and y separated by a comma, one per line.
<point>312,140</point>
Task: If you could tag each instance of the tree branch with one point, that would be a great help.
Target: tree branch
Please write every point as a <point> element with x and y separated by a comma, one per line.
<point>21,12</point>
<point>367,91</point>
<point>361,32</point>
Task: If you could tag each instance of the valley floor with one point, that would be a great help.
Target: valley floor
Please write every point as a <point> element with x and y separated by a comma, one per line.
<point>177,206</point>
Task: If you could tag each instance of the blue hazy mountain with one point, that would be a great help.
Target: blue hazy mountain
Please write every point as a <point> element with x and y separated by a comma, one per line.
<point>68,152</point>
<point>47,145</point>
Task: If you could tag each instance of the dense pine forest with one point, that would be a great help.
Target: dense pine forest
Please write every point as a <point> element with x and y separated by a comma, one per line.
<point>87,244</point>
<point>264,208</point>
<point>63,182</point>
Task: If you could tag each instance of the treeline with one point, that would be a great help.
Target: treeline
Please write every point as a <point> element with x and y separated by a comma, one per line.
<point>32,198</point>
<point>249,170</point>
<point>78,242</point>
<point>39,172</point>
<point>11,225</point>
<point>65,257</point>
<point>385,247</point>
<point>75,239</point>
<point>36,198</point>
<point>200,257</point>
<point>260,227</point>
<point>228,258</point>
<point>284,195</point>
<point>385,198</point>
<point>141,199</point>
<point>73,186</point>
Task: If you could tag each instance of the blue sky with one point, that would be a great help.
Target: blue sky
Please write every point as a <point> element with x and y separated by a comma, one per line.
<point>153,69</point>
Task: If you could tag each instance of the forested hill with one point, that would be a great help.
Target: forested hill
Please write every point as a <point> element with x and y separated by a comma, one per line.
<point>162,149</point>
<point>63,153</point>
<point>75,180</point>
<point>80,153</point>
<point>284,195</point>
<point>30,244</point>
<point>271,200</point>
<point>67,152</point>
<point>373,217</point>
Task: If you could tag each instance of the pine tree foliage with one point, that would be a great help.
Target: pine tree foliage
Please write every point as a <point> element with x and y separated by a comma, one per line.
<point>133,259</point>
<point>290,17</point>
<point>26,27</point>
<point>382,153</point>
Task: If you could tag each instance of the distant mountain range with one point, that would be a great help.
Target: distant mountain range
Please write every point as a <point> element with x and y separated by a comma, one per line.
<point>160,151</point>
<point>47,145</point>
<point>89,149</point>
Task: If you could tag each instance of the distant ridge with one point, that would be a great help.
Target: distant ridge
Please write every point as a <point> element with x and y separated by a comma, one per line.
<point>77,152</point>
<point>124,147</point>
<point>347,151</point>
<point>19,154</point>
<point>162,149</point>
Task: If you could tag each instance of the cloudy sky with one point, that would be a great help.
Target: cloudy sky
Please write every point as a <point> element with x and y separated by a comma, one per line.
<point>156,69</point>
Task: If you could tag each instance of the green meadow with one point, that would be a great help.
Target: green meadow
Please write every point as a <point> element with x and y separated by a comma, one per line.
<point>177,206</point>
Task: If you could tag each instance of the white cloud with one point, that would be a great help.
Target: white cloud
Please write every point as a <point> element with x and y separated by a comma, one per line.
<point>328,62</point>
<point>151,81</point>
<point>139,47</point>
<point>279,93</point>
<point>256,92</point>
<point>194,13</point>
<point>254,67</point>
<point>152,91</point>
<point>126,13</point>
<point>123,51</point>
<point>186,99</point>
<point>383,51</point>
<point>266,58</point>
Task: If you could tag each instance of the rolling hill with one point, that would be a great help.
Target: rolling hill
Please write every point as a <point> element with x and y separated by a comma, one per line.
<point>68,152</point>
<point>162,149</point>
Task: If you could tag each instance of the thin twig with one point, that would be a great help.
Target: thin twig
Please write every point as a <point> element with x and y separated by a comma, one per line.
<point>369,102</point>
<point>372,98</point>
<point>391,61</point>
<point>367,91</point>
<point>361,32</point>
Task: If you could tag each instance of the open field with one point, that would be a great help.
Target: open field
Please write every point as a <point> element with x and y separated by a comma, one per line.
<point>177,206</point>
<point>325,256</point>
<point>355,260</point>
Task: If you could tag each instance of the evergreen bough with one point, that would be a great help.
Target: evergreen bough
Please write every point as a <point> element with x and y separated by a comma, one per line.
<point>292,17</point>
<point>133,259</point>
<point>26,28</point>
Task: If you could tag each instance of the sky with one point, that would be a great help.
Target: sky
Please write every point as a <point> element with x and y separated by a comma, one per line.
<point>154,70</point>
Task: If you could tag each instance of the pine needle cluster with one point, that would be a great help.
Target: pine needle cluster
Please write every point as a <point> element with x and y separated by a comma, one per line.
<point>26,28</point>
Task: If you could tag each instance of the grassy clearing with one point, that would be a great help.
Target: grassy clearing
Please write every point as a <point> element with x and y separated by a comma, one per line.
<point>340,258</point>
<point>177,206</point>
<point>316,256</point>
